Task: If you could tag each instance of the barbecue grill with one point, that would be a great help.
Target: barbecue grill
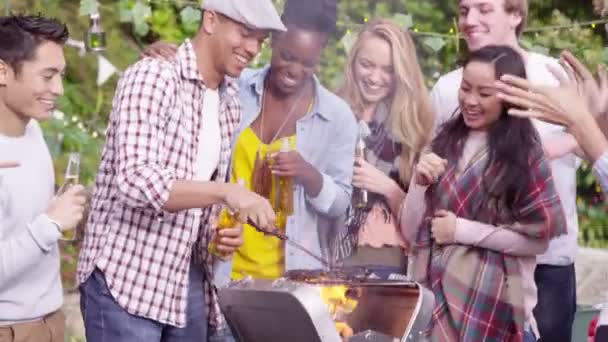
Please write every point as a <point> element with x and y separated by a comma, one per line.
<point>295,308</point>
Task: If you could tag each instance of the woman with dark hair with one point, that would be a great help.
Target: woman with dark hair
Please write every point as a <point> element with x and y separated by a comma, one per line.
<point>490,208</point>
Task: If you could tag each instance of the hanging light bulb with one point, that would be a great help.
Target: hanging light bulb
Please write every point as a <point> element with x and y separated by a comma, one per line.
<point>96,37</point>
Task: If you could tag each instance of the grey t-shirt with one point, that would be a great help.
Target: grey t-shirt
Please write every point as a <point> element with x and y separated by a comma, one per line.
<point>30,283</point>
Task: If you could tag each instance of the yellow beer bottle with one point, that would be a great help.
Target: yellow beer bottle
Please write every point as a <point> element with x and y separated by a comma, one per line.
<point>225,220</point>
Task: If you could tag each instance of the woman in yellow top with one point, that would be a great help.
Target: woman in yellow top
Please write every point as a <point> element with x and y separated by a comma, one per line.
<point>260,256</point>
<point>285,100</point>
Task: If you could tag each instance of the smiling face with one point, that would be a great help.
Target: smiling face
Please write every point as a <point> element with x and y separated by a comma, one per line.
<point>477,96</point>
<point>486,22</point>
<point>32,90</point>
<point>373,70</point>
<point>235,45</point>
<point>296,55</point>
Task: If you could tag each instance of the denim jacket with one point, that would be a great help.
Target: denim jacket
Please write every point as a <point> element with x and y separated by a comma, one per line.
<point>326,139</point>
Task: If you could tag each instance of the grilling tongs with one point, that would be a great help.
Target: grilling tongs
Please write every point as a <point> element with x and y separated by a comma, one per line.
<point>282,236</point>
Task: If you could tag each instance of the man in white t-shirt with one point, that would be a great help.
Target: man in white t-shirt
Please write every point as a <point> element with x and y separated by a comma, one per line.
<point>501,22</point>
<point>31,217</point>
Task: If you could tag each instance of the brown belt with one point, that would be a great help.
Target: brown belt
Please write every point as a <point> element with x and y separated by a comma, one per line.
<point>48,329</point>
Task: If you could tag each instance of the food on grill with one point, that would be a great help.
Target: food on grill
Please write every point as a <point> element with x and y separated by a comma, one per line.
<point>344,275</point>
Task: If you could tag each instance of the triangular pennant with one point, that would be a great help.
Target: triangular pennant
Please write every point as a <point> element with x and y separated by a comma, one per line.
<point>105,70</point>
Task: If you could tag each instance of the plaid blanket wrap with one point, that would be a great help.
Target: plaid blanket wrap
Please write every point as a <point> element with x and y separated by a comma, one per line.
<point>478,292</point>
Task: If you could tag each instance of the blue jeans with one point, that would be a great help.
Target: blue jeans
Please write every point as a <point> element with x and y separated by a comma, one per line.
<point>106,321</point>
<point>556,306</point>
<point>529,336</point>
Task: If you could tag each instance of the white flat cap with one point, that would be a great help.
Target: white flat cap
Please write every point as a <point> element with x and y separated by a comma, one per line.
<point>257,14</point>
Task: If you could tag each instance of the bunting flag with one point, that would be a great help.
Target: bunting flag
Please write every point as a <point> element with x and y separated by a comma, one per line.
<point>105,70</point>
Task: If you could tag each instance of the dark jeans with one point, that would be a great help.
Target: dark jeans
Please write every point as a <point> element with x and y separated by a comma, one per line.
<point>529,336</point>
<point>556,306</point>
<point>106,321</point>
<point>601,334</point>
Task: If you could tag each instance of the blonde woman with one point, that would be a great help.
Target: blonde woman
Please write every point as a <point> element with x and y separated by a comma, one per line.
<point>385,88</point>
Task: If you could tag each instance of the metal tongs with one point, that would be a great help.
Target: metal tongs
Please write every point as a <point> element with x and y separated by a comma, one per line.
<point>282,236</point>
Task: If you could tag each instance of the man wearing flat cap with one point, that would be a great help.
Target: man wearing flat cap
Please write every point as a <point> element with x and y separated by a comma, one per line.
<point>144,270</point>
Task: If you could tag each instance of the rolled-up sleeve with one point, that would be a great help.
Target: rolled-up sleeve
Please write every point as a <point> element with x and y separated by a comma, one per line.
<point>334,197</point>
<point>140,108</point>
<point>326,197</point>
<point>600,170</point>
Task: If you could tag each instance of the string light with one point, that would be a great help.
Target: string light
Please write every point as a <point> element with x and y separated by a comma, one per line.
<point>452,32</point>
<point>536,30</point>
<point>576,24</point>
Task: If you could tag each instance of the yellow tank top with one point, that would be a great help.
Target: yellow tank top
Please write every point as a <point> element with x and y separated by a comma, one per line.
<point>259,256</point>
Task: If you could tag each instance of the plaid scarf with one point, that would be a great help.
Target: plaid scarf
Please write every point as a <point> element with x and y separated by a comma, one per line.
<point>478,292</point>
<point>382,151</point>
<point>385,154</point>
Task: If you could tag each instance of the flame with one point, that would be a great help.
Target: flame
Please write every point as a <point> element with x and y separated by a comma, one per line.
<point>338,305</point>
<point>344,330</point>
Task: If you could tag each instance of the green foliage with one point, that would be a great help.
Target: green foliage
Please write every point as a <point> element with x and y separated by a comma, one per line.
<point>88,7</point>
<point>594,232</point>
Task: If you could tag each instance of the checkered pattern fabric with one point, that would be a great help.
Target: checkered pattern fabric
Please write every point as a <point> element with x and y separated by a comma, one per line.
<point>152,139</point>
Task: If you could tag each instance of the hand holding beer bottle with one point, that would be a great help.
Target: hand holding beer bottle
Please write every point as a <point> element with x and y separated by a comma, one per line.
<point>284,192</point>
<point>228,234</point>
<point>66,209</point>
<point>70,201</point>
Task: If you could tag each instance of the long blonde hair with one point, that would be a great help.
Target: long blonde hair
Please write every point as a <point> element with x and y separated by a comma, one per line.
<point>410,118</point>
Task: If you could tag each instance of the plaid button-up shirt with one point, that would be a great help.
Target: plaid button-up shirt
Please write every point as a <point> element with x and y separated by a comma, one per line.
<point>152,139</point>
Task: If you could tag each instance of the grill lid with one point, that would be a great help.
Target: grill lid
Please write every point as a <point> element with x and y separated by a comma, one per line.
<point>293,310</point>
<point>267,311</point>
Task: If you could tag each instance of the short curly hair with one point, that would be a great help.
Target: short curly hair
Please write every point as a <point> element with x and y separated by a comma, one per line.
<point>316,15</point>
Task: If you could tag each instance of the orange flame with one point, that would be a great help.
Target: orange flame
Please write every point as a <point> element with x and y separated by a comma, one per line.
<point>339,304</point>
